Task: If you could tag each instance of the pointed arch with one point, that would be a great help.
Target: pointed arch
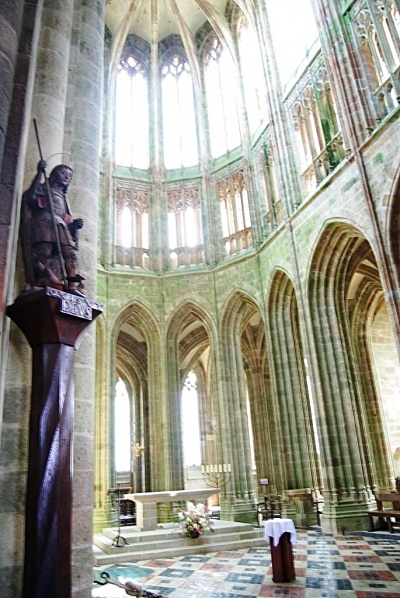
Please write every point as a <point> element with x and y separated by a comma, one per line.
<point>191,345</point>
<point>393,226</point>
<point>248,391</point>
<point>346,295</point>
<point>136,347</point>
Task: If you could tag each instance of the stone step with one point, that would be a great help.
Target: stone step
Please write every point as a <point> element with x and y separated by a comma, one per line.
<point>167,542</point>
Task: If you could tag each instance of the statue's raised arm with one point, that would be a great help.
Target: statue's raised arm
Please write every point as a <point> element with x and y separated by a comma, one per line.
<point>49,234</point>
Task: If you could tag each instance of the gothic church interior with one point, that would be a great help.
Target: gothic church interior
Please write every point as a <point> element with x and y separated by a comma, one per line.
<point>236,166</point>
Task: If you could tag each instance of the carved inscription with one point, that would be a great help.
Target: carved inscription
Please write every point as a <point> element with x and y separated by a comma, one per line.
<point>73,305</point>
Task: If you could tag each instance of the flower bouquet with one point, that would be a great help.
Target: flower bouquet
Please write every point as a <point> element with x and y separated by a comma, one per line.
<point>193,521</point>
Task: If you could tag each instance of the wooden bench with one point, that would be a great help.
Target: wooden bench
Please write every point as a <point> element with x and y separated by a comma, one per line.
<point>391,516</point>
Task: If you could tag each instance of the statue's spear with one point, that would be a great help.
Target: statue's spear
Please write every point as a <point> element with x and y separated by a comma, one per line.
<point>50,200</point>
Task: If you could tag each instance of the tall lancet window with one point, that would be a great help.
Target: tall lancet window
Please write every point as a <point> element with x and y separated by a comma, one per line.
<point>122,430</point>
<point>254,85</point>
<point>221,83</point>
<point>179,123</point>
<point>190,421</point>
<point>131,115</point>
<point>294,33</point>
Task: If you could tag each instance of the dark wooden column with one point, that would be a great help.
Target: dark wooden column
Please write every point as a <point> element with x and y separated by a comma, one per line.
<point>53,323</point>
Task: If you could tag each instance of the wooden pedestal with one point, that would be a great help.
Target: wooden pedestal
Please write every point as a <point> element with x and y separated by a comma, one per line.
<point>53,323</point>
<point>282,559</point>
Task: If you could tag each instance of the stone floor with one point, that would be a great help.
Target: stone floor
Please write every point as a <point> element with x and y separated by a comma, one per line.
<point>361,565</point>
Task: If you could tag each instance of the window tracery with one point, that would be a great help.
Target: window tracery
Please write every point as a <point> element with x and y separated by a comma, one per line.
<point>179,122</point>
<point>131,114</point>
<point>235,213</point>
<point>377,27</point>
<point>316,127</point>
<point>268,188</point>
<point>184,225</point>
<point>131,224</point>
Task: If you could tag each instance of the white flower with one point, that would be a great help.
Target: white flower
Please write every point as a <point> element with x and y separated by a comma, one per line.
<point>196,518</point>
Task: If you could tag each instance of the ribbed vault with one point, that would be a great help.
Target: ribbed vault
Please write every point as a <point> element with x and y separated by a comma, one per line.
<point>155,20</point>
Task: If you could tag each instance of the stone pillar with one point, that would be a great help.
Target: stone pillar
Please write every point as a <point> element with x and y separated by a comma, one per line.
<point>238,495</point>
<point>51,84</point>
<point>67,106</point>
<point>53,323</point>
<point>10,24</point>
<point>82,134</point>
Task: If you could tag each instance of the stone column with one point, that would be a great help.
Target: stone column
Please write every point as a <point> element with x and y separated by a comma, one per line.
<point>82,134</point>
<point>239,493</point>
<point>10,25</point>
<point>51,84</point>
<point>67,107</point>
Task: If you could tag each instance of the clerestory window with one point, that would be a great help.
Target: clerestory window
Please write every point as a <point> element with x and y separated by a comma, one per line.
<point>132,115</point>
<point>220,84</point>
<point>252,70</point>
<point>179,122</point>
<point>294,33</point>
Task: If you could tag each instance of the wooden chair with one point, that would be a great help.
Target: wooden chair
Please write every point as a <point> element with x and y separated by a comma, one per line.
<point>276,506</point>
<point>127,511</point>
<point>270,508</point>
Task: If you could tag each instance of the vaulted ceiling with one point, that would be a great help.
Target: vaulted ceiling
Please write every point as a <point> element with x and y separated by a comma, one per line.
<point>153,20</point>
<point>147,17</point>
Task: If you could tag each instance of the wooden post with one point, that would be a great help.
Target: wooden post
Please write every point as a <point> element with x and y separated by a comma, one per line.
<point>53,322</point>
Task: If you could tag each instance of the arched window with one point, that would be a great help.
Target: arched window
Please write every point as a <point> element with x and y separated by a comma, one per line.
<point>131,115</point>
<point>254,85</point>
<point>294,32</point>
<point>190,421</point>
<point>220,83</point>
<point>122,428</point>
<point>179,122</point>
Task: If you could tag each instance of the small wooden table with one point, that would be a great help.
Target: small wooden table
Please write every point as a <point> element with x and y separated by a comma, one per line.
<point>281,533</point>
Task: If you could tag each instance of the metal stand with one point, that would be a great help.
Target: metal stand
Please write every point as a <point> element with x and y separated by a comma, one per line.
<point>119,541</point>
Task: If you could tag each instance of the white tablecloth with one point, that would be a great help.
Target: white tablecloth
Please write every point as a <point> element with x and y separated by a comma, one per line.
<point>274,528</point>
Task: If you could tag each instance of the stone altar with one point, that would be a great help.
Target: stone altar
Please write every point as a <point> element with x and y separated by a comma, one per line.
<point>146,503</point>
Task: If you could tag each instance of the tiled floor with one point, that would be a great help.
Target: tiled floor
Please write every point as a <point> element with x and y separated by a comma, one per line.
<point>363,565</point>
